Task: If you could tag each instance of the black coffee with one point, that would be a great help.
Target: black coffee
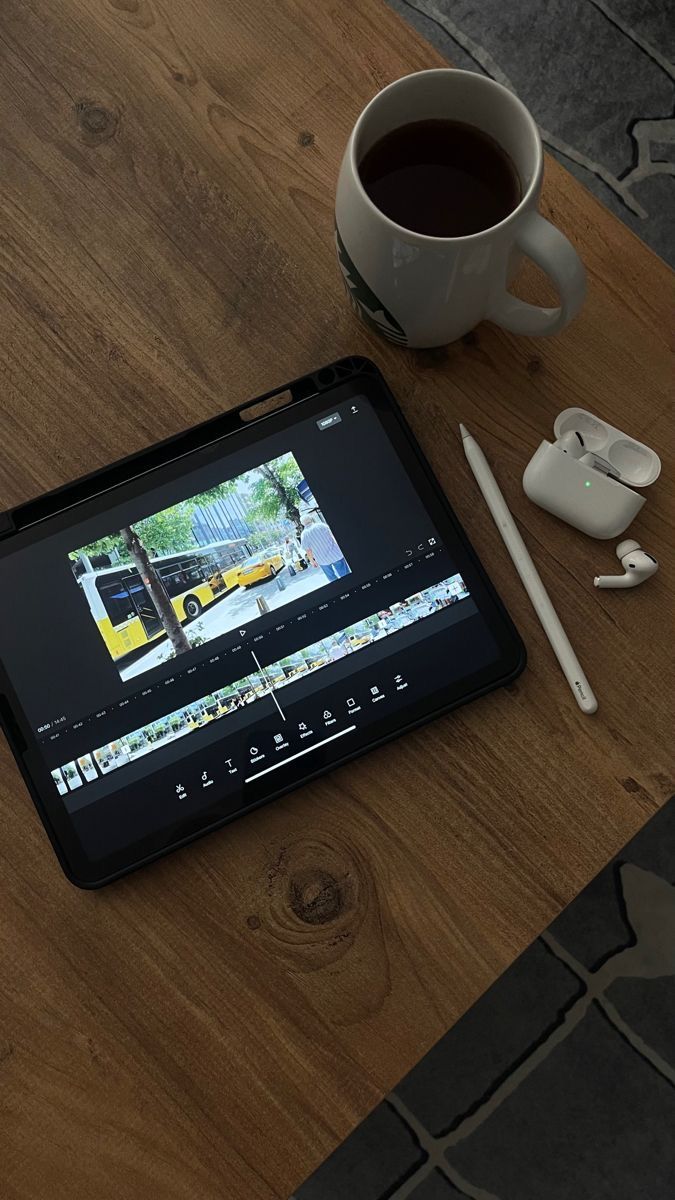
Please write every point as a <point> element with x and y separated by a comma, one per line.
<point>442,178</point>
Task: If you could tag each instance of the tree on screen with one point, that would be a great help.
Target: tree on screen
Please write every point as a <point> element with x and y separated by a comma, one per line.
<point>166,532</point>
<point>158,593</point>
<point>130,544</point>
<point>275,493</point>
<point>104,545</point>
<point>159,534</point>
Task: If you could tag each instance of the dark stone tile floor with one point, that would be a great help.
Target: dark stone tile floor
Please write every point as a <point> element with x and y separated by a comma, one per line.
<point>559,1084</point>
<point>599,78</point>
<point>512,1015</point>
<point>591,1121</point>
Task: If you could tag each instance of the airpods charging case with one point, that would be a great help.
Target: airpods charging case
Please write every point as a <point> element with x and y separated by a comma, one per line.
<point>595,496</point>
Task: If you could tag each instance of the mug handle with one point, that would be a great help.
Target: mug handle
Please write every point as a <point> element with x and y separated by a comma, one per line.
<point>550,250</point>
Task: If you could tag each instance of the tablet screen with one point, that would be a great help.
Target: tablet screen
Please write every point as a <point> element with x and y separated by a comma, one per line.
<point>215,632</point>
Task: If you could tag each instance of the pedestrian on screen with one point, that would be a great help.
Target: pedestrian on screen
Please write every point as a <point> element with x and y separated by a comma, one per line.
<point>292,553</point>
<point>321,548</point>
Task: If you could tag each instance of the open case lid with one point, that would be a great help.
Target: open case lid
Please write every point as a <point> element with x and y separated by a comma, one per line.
<point>634,463</point>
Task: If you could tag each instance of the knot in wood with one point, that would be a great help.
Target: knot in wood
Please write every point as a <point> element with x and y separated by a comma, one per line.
<point>96,122</point>
<point>315,896</point>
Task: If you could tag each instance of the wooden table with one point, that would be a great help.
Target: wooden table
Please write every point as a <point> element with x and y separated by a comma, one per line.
<point>167,192</point>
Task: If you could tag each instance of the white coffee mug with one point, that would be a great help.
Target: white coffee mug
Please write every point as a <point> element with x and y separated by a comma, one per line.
<point>419,290</point>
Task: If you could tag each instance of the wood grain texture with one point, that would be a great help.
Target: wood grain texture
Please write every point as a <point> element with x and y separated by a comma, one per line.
<point>214,1025</point>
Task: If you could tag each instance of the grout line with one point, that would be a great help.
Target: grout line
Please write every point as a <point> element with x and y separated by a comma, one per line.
<point>645,132</point>
<point>569,1020</point>
<point>635,38</point>
<point>635,1041</point>
<point>436,1159</point>
<point>564,956</point>
<point>597,983</point>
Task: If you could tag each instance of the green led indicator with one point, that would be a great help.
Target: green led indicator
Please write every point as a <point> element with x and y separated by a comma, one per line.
<point>587,483</point>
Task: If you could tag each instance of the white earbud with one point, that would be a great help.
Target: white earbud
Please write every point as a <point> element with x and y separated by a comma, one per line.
<point>572,443</point>
<point>637,565</point>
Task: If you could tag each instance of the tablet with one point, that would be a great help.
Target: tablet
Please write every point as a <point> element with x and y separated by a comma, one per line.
<point>197,629</point>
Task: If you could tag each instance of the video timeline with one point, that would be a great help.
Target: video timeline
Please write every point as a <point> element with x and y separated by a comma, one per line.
<point>254,686</point>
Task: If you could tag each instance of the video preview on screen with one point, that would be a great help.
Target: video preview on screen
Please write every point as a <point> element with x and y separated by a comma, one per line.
<point>214,562</point>
<point>255,685</point>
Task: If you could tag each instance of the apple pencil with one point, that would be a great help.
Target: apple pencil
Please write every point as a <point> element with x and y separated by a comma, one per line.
<point>560,643</point>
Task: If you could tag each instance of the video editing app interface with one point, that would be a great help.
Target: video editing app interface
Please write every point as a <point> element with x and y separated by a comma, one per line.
<point>235,618</point>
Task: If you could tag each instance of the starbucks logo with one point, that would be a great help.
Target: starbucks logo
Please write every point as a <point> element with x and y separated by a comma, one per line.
<point>364,301</point>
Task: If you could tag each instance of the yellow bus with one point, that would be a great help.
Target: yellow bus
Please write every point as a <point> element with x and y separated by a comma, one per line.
<point>123,609</point>
<point>226,559</point>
